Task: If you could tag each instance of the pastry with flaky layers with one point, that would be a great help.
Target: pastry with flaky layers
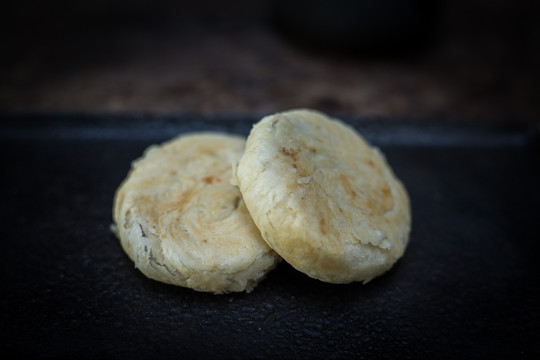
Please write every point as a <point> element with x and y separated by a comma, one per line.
<point>182,222</point>
<point>323,198</point>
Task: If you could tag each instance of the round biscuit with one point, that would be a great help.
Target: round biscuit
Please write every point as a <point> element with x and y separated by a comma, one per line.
<point>182,222</point>
<point>323,198</point>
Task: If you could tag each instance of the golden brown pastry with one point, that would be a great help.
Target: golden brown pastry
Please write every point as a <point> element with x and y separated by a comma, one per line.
<point>323,199</point>
<point>182,222</point>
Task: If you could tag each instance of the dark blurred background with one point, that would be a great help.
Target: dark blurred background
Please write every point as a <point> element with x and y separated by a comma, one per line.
<point>435,60</point>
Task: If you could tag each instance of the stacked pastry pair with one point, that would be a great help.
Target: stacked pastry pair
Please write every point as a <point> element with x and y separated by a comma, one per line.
<point>216,213</point>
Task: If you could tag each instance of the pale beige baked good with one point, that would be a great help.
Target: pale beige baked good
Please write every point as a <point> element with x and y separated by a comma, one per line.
<point>324,200</point>
<point>182,222</point>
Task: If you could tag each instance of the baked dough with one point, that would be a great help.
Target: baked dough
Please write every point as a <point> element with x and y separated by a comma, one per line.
<point>324,200</point>
<point>182,222</point>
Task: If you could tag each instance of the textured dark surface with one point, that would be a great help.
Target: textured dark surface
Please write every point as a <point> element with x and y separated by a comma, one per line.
<point>469,60</point>
<point>467,287</point>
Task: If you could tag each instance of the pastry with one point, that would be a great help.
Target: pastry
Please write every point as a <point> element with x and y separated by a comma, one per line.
<point>181,221</point>
<point>323,198</point>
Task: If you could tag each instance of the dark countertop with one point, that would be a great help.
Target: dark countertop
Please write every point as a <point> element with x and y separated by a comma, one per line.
<point>467,286</point>
<point>215,58</point>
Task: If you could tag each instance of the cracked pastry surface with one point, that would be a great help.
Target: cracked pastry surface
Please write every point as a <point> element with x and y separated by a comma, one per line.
<point>323,198</point>
<point>181,221</point>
